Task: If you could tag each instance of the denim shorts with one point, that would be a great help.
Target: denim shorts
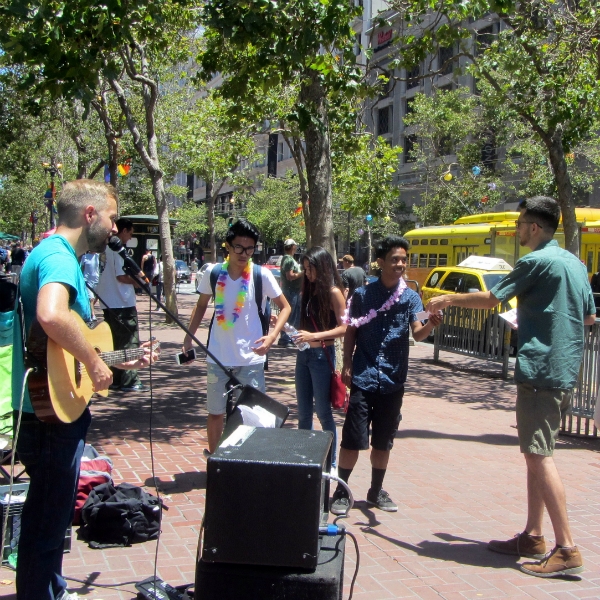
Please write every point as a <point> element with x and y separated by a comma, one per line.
<point>539,413</point>
<point>380,411</point>
<point>216,379</point>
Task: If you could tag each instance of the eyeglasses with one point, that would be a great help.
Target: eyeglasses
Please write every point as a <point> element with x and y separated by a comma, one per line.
<point>249,250</point>
<point>519,223</point>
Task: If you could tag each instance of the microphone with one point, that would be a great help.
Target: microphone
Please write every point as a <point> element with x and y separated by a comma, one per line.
<point>116,245</point>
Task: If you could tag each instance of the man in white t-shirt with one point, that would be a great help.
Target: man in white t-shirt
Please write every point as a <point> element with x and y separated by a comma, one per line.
<point>117,290</point>
<point>236,336</point>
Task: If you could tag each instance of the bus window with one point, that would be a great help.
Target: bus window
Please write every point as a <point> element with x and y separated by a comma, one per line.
<point>415,242</point>
<point>414,260</point>
<point>423,260</point>
<point>590,262</point>
<point>433,260</point>
<point>434,242</point>
<point>424,242</point>
<point>443,260</point>
<point>443,242</point>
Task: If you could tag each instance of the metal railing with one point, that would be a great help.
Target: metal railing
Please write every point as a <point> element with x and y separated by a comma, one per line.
<point>580,418</point>
<point>476,333</point>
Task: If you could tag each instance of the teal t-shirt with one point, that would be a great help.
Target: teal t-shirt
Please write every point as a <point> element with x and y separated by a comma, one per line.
<point>553,298</point>
<point>289,264</point>
<point>52,261</point>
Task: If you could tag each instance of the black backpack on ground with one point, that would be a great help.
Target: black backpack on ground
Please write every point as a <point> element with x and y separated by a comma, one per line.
<point>119,516</point>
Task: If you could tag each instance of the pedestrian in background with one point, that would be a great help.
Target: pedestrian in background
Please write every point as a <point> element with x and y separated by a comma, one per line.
<point>90,266</point>
<point>291,285</point>
<point>555,301</point>
<point>117,289</point>
<point>322,309</point>
<point>353,277</point>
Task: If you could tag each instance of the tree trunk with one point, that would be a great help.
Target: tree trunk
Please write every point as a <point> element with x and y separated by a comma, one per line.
<point>149,154</point>
<point>564,191</point>
<point>318,165</point>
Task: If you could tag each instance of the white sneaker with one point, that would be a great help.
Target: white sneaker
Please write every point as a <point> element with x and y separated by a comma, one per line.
<point>67,596</point>
<point>333,472</point>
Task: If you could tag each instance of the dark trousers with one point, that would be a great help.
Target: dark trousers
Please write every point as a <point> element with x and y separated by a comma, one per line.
<point>123,323</point>
<point>51,454</point>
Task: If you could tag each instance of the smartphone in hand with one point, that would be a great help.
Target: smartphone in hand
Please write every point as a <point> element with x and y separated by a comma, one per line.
<point>185,357</point>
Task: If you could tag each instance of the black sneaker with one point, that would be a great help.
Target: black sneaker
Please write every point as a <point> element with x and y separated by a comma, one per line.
<point>340,503</point>
<point>382,501</point>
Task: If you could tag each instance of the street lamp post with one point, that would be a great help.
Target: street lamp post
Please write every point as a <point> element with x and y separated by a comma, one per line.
<point>53,169</point>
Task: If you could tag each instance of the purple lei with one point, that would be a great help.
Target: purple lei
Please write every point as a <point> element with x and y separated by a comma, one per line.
<point>373,313</point>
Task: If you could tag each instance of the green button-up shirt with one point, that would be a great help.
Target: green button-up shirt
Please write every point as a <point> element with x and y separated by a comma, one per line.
<point>553,298</point>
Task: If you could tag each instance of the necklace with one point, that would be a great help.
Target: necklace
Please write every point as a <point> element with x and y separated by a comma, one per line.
<point>239,301</point>
<point>373,313</point>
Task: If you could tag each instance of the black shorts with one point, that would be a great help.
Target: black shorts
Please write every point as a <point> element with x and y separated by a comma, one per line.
<point>380,411</point>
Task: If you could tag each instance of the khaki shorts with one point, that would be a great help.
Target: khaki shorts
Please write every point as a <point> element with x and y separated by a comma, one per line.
<point>539,413</point>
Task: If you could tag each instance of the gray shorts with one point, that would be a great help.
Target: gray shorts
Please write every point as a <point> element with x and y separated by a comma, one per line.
<point>216,379</point>
<point>539,413</point>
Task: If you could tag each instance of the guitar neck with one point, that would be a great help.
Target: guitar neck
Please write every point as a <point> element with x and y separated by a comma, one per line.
<point>120,356</point>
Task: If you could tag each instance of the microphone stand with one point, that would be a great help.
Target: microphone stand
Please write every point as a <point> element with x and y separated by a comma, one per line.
<point>146,286</point>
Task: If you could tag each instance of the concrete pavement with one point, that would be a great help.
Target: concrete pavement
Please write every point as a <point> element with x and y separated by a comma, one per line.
<point>455,472</point>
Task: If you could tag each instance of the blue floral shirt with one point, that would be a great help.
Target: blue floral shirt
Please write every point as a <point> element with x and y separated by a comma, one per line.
<point>380,360</point>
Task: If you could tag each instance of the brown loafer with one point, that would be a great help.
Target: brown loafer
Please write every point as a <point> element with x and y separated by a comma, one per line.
<point>561,561</point>
<point>523,544</point>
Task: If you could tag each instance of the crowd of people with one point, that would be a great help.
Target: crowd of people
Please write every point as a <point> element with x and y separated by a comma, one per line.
<point>12,257</point>
<point>554,298</point>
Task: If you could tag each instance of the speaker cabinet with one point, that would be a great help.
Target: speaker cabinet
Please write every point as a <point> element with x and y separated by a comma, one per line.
<point>266,497</point>
<point>220,581</point>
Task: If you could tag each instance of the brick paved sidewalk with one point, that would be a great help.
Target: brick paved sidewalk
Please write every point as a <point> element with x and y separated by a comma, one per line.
<point>455,472</point>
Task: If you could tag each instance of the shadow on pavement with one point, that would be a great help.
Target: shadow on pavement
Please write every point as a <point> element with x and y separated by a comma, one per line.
<point>184,482</point>
<point>496,439</point>
<point>436,380</point>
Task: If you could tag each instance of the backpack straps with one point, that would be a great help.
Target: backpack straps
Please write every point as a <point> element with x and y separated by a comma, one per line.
<point>214,275</point>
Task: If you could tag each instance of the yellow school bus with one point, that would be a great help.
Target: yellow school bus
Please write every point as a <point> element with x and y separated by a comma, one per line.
<point>490,234</point>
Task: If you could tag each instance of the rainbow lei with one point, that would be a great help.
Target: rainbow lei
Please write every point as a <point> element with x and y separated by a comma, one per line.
<point>373,313</point>
<point>220,296</point>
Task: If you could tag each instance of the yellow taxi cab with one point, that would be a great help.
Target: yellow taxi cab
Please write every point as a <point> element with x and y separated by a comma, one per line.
<point>474,274</point>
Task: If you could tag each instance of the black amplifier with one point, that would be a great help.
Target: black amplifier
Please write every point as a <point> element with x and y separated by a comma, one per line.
<point>266,497</point>
<point>220,581</point>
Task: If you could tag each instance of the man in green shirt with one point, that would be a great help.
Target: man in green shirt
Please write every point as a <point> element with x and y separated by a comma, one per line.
<point>291,284</point>
<point>555,301</point>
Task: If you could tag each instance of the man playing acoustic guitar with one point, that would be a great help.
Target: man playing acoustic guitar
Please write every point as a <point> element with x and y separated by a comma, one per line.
<point>52,289</point>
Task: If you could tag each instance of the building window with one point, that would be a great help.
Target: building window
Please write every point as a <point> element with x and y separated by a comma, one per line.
<point>410,141</point>
<point>357,44</point>
<point>384,120</point>
<point>445,62</point>
<point>412,77</point>
<point>484,39</point>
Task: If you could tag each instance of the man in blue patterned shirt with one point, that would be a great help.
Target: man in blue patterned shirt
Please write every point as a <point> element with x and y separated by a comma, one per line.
<point>375,369</point>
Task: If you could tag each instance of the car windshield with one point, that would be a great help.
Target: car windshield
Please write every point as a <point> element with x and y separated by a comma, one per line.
<point>180,264</point>
<point>491,279</point>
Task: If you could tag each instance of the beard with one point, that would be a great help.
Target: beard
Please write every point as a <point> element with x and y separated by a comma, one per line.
<point>97,237</point>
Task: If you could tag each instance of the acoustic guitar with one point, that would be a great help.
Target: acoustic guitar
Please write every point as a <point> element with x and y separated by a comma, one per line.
<point>59,387</point>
